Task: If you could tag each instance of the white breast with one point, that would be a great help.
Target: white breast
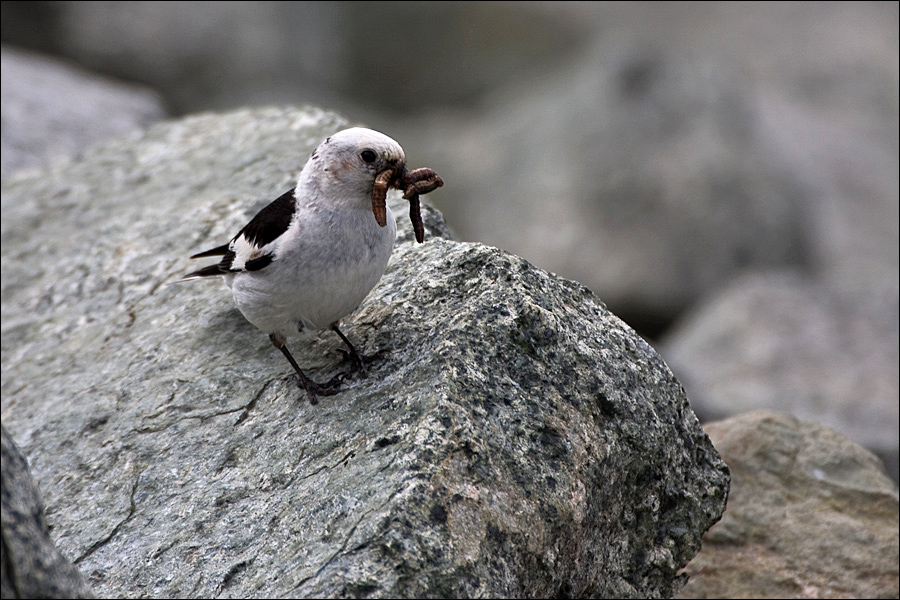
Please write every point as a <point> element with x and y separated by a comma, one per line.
<point>324,268</point>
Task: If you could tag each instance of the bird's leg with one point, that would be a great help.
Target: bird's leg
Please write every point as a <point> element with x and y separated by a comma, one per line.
<point>355,356</point>
<point>313,389</point>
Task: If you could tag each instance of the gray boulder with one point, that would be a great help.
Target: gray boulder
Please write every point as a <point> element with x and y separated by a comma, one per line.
<point>810,515</point>
<point>513,438</point>
<point>32,567</point>
<point>52,109</point>
<point>785,342</point>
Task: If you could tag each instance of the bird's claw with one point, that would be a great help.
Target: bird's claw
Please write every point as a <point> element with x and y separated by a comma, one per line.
<point>314,390</point>
<point>359,362</point>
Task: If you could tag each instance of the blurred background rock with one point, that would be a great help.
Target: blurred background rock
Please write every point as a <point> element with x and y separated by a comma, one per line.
<point>723,175</point>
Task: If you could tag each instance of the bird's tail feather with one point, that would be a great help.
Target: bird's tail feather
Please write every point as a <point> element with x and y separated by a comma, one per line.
<point>210,271</point>
<point>217,251</point>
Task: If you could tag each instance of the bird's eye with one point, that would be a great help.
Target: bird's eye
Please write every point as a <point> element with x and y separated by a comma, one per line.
<point>368,156</point>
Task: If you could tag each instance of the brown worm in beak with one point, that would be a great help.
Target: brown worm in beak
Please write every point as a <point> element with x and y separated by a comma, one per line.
<point>412,183</point>
<point>418,181</point>
<point>379,195</point>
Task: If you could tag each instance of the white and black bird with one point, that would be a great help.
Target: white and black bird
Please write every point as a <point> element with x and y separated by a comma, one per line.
<point>310,257</point>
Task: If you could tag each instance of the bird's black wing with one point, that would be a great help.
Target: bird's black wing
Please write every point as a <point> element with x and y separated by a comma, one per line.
<point>263,229</point>
<point>270,222</point>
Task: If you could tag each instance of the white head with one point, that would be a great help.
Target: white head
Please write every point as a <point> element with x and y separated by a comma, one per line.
<point>346,163</point>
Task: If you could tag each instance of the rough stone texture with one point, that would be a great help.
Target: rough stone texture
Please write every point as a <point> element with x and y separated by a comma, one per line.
<point>514,438</point>
<point>784,342</point>
<point>52,109</point>
<point>810,515</point>
<point>31,567</point>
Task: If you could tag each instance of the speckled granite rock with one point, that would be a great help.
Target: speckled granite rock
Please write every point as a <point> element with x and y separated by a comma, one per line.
<point>513,438</point>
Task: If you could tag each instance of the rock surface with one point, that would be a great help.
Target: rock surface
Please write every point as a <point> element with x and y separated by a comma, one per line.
<point>513,438</point>
<point>52,109</point>
<point>32,567</point>
<point>810,515</point>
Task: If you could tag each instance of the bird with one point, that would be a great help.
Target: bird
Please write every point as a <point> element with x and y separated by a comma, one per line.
<point>309,258</point>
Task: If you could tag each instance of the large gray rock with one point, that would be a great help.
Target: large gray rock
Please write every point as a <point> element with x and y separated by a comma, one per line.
<point>513,438</point>
<point>784,342</point>
<point>32,567</point>
<point>52,109</point>
<point>810,515</point>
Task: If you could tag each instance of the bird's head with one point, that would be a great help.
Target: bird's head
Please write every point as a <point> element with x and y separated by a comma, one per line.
<point>348,162</point>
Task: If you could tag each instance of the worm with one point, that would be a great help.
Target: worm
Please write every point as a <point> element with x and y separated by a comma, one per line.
<point>413,183</point>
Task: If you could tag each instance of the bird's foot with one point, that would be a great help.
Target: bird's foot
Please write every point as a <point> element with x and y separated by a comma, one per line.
<point>359,362</point>
<point>314,390</point>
